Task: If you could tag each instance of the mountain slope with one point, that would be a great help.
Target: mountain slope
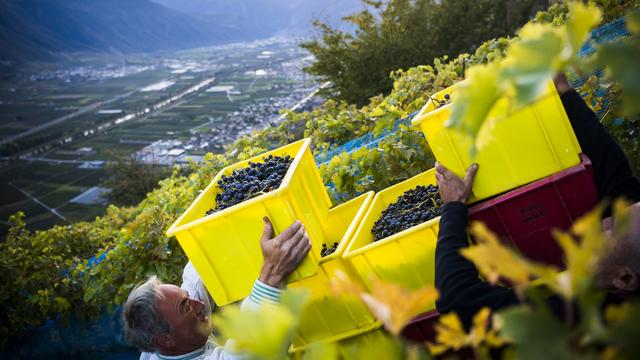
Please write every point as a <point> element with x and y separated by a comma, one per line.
<point>34,29</point>
<point>261,18</point>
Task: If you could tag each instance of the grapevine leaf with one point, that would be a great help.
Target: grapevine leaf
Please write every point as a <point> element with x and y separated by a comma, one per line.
<point>475,98</point>
<point>531,61</point>
<point>495,261</point>
<point>395,306</point>
<point>390,303</point>
<point>263,333</point>
<point>581,256</point>
<point>450,334</point>
<point>582,18</point>
<point>534,330</point>
<point>624,331</point>
<point>620,61</point>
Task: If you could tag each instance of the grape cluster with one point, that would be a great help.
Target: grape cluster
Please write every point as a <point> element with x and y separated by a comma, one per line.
<point>251,181</point>
<point>441,103</point>
<point>328,251</point>
<point>415,206</point>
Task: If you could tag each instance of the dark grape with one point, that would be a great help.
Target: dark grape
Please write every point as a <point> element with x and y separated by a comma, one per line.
<point>328,251</point>
<point>415,206</point>
<point>251,181</point>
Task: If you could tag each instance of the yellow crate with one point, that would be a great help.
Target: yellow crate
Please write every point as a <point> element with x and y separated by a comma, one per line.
<point>327,317</point>
<point>522,146</point>
<point>225,248</point>
<point>352,348</point>
<point>406,258</point>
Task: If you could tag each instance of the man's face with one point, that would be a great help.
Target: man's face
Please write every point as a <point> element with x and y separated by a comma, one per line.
<point>190,325</point>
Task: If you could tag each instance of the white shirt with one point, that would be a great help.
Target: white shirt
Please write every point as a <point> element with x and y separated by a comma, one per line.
<point>192,284</point>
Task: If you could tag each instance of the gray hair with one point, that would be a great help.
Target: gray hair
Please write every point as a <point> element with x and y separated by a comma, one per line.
<point>142,320</point>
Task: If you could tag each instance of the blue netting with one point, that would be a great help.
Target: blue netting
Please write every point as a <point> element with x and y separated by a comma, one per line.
<point>366,141</point>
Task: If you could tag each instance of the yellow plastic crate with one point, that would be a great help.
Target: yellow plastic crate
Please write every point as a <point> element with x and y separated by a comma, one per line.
<point>352,348</point>
<point>522,146</point>
<point>406,258</point>
<point>327,317</point>
<point>225,246</point>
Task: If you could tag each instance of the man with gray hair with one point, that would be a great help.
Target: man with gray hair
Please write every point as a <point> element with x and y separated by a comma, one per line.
<point>169,322</point>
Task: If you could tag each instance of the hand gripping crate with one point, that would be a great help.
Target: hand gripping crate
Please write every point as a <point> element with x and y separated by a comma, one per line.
<point>327,317</point>
<point>406,258</point>
<point>525,217</point>
<point>519,146</point>
<point>225,248</point>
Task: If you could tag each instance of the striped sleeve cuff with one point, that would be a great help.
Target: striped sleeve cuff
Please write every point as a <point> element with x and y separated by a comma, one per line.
<point>265,294</point>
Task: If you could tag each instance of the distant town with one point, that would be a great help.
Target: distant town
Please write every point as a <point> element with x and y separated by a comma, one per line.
<point>164,109</point>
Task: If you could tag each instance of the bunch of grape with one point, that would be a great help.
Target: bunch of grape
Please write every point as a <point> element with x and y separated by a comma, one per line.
<point>441,103</point>
<point>415,206</point>
<point>328,251</point>
<point>251,181</point>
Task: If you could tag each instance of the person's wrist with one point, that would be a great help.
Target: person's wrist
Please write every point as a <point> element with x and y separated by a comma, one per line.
<point>271,277</point>
<point>563,89</point>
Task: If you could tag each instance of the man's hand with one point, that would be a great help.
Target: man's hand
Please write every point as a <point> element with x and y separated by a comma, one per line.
<point>561,82</point>
<point>283,253</point>
<point>452,188</point>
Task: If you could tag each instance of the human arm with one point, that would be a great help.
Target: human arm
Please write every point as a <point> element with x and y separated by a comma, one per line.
<point>457,279</point>
<point>612,173</point>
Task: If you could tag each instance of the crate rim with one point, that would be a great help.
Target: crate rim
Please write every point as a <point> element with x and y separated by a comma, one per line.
<point>423,112</point>
<point>350,253</point>
<point>488,203</point>
<point>342,246</point>
<point>176,228</point>
<point>379,243</point>
<point>338,337</point>
<point>425,116</point>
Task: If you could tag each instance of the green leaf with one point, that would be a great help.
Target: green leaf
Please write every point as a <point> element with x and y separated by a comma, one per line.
<point>620,60</point>
<point>531,61</point>
<point>535,333</point>
<point>475,99</point>
<point>264,333</point>
<point>582,18</point>
<point>624,331</point>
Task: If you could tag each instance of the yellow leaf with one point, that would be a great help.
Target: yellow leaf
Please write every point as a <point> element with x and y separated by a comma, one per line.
<point>610,353</point>
<point>582,18</point>
<point>395,305</point>
<point>495,260</point>
<point>341,284</point>
<point>617,312</point>
<point>450,334</point>
<point>582,254</point>
<point>390,303</point>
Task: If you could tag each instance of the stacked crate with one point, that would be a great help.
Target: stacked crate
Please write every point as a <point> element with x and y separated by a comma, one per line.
<point>225,250</point>
<point>532,177</point>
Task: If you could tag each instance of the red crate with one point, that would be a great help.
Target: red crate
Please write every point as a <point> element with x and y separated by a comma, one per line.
<point>422,328</point>
<point>525,217</point>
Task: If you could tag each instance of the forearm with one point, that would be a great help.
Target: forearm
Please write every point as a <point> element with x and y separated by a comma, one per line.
<point>612,173</point>
<point>461,289</point>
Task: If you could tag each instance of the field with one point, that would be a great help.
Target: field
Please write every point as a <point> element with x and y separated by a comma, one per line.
<point>91,94</point>
<point>52,184</point>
